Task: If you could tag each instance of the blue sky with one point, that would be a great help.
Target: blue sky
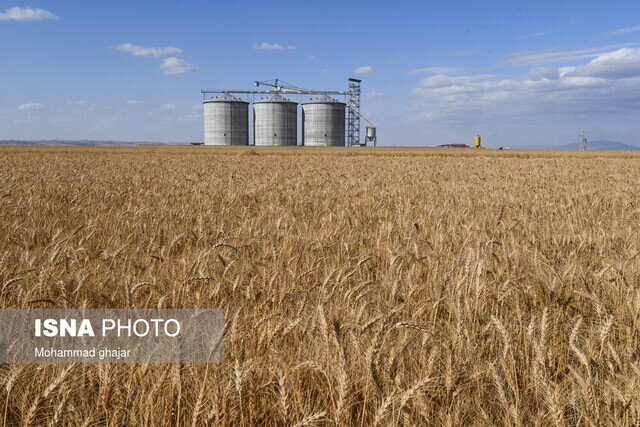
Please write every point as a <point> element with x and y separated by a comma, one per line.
<point>519,73</point>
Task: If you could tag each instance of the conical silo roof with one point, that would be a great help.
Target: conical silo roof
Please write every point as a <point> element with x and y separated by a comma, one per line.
<point>323,99</point>
<point>275,98</point>
<point>225,97</point>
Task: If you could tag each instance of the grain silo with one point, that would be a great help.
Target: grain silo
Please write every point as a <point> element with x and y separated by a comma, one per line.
<point>323,121</point>
<point>275,121</point>
<point>226,120</point>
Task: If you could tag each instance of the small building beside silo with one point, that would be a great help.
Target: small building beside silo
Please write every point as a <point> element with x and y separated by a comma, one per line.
<point>323,122</point>
<point>275,121</point>
<point>226,120</point>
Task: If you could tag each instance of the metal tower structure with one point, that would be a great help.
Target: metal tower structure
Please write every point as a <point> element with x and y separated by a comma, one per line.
<point>353,114</point>
<point>583,141</point>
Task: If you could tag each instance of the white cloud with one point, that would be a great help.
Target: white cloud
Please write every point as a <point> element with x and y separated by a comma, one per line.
<point>324,70</point>
<point>26,14</point>
<point>134,102</point>
<point>371,95</point>
<point>540,73</point>
<point>621,63</point>
<point>80,102</point>
<point>435,70</point>
<point>173,66</point>
<point>556,56</point>
<point>563,71</point>
<point>272,46</point>
<point>167,107</point>
<point>610,82</point>
<point>364,70</point>
<point>148,52</point>
<point>31,106</point>
<point>627,30</point>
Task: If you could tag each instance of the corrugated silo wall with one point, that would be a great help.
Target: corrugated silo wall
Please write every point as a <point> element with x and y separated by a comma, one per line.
<point>226,123</point>
<point>323,124</point>
<point>275,123</point>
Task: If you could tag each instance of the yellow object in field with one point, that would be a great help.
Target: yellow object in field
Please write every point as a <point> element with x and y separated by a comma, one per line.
<point>476,141</point>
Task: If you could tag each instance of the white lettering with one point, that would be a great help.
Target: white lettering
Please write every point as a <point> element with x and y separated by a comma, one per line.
<point>107,325</point>
<point>145,330</point>
<point>177,327</point>
<point>50,327</point>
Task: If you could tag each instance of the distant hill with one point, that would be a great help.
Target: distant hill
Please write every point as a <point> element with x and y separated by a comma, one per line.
<point>599,145</point>
<point>86,143</point>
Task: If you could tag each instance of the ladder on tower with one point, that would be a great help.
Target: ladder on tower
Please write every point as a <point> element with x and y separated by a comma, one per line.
<point>353,115</point>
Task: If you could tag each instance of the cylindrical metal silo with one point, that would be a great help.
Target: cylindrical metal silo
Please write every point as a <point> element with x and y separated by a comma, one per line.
<point>226,120</point>
<point>323,120</point>
<point>275,121</point>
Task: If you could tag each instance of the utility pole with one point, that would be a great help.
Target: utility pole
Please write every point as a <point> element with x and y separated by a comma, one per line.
<point>583,141</point>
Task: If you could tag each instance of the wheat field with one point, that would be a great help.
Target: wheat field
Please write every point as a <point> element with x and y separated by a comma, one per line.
<point>359,287</point>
